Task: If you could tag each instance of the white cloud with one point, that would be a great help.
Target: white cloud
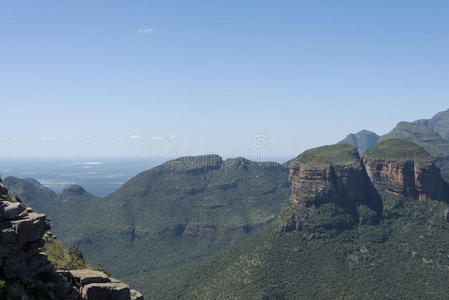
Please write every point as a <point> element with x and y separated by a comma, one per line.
<point>15,139</point>
<point>157,138</point>
<point>148,30</point>
<point>135,137</point>
<point>172,136</point>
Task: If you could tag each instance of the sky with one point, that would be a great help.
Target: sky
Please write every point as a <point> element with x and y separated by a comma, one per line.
<point>239,78</point>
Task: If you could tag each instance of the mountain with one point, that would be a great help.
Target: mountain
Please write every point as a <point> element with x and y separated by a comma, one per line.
<point>30,255</point>
<point>173,214</point>
<point>439,123</point>
<point>329,253</point>
<point>432,134</point>
<point>424,136</point>
<point>362,140</point>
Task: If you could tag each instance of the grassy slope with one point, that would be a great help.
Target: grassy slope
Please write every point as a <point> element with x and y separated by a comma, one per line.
<point>406,257</point>
<point>397,149</point>
<point>137,231</point>
<point>425,137</point>
<point>340,154</point>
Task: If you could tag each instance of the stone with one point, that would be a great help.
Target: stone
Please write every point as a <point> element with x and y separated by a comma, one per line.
<point>106,291</point>
<point>10,210</point>
<point>85,276</point>
<point>29,228</point>
<point>135,295</point>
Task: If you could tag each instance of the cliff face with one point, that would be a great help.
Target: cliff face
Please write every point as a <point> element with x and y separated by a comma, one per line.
<point>406,178</point>
<point>330,191</point>
<point>26,272</point>
<point>405,170</point>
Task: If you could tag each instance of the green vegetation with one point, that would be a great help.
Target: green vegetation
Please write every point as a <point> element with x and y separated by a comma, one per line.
<point>62,257</point>
<point>340,154</point>
<point>170,215</point>
<point>397,149</point>
<point>424,136</point>
<point>362,140</point>
<point>439,123</point>
<point>404,257</point>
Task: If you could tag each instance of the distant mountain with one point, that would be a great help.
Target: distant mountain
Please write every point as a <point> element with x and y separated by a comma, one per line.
<point>321,247</point>
<point>362,140</point>
<point>173,214</point>
<point>424,136</point>
<point>439,123</point>
<point>432,134</point>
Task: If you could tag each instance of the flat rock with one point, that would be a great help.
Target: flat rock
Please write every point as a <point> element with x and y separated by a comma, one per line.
<point>106,291</point>
<point>10,210</point>
<point>135,295</point>
<point>86,276</point>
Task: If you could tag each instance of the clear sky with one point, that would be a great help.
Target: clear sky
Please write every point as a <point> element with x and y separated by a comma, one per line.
<point>109,78</point>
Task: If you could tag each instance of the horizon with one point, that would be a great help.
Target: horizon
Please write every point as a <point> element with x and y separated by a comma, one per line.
<point>114,79</point>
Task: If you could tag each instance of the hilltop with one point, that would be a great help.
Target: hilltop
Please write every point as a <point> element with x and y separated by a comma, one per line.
<point>362,140</point>
<point>401,255</point>
<point>170,215</point>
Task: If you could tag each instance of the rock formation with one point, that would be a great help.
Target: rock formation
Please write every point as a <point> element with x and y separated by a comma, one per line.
<point>405,169</point>
<point>330,191</point>
<point>26,270</point>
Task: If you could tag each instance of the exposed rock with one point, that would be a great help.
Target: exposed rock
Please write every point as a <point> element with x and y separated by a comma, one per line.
<point>106,291</point>
<point>330,191</point>
<point>84,277</point>
<point>405,169</point>
<point>28,272</point>
<point>9,210</point>
<point>135,295</point>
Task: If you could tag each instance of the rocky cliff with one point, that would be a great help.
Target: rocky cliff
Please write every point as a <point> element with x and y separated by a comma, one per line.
<point>405,169</point>
<point>330,191</point>
<point>26,272</point>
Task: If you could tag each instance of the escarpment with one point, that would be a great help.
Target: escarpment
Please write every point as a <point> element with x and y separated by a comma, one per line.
<point>333,189</point>
<point>25,270</point>
<point>330,191</point>
<point>405,169</point>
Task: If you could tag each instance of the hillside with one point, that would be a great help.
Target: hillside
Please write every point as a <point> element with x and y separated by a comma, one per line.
<point>432,134</point>
<point>425,137</point>
<point>439,123</point>
<point>173,214</point>
<point>362,140</point>
<point>404,255</point>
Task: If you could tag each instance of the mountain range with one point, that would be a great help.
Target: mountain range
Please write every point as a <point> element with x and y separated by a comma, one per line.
<point>432,134</point>
<point>367,217</point>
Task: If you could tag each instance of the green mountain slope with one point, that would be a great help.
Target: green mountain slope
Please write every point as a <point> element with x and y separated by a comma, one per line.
<point>439,123</point>
<point>425,137</point>
<point>362,140</point>
<point>403,256</point>
<point>173,214</point>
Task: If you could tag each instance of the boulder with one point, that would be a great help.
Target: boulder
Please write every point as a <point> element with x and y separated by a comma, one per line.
<point>106,291</point>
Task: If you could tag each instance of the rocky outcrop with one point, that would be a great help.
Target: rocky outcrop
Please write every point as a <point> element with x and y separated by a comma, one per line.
<point>96,285</point>
<point>413,173</point>
<point>26,270</point>
<point>330,191</point>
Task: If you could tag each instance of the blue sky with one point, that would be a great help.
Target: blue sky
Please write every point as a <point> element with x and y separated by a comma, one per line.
<point>109,78</point>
